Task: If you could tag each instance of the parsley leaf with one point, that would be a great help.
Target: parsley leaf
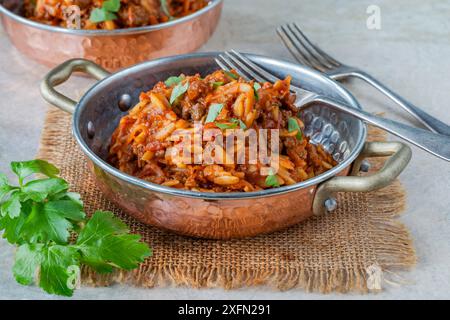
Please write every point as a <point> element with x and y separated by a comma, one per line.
<point>256,87</point>
<point>53,262</point>
<point>3,180</point>
<point>213,112</point>
<point>97,15</point>
<point>171,81</point>
<point>165,8</point>
<point>5,188</point>
<point>293,125</point>
<point>40,189</point>
<point>75,197</point>
<point>26,168</point>
<point>231,75</point>
<point>101,15</point>
<point>111,5</point>
<point>40,216</point>
<point>28,259</point>
<point>234,123</point>
<point>106,12</point>
<point>12,228</point>
<point>104,242</point>
<point>241,124</point>
<point>178,91</point>
<point>44,225</point>
<point>68,209</point>
<point>217,84</point>
<point>226,125</point>
<point>272,181</point>
<point>55,269</point>
<point>11,206</point>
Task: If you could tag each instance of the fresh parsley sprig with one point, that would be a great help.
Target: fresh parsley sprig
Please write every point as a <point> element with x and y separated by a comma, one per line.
<point>106,12</point>
<point>54,238</point>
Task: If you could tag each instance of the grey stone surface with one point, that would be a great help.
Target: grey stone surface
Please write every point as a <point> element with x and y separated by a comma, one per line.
<point>411,53</point>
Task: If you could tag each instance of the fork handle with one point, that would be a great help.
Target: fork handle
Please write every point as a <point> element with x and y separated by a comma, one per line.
<point>428,120</point>
<point>434,143</point>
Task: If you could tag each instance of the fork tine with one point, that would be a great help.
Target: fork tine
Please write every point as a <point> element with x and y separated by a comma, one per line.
<point>237,67</point>
<point>323,54</point>
<point>222,65</point>
<point>237,61</point>
<point>244,71</point>
<point>232,63</point>
<point>301,50</point>
<point>310,51</point>
<point>266,76</point>
<point>290,46</point>
<point>227,65</point>
<point>240,63</point>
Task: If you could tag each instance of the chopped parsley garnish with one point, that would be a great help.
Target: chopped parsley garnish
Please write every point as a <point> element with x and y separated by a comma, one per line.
<point>231,75</point>
<point>178,91</point>
<point>234,123</point>
<point>241,124</point>
<point>293,125</point>
<point>217,84</point>
<point>165,9</point>
<point>106,12</point>
<point>256,87</point>
<point>272,181</point>
<point>226,125</point>
<point>171,81</point>
<point>111,5</point>
<point>213,112</point>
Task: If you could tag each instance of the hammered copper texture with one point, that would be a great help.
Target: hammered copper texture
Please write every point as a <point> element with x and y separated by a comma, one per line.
<point>213,219</point>
<point>116,51</point>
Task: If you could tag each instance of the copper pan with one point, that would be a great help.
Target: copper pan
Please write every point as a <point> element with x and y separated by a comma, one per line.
<point>220,215</point>
<point>114,49</point>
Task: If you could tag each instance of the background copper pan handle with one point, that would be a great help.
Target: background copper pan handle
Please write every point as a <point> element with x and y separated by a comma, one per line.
<point>63,72</point>
<point>400,154</point>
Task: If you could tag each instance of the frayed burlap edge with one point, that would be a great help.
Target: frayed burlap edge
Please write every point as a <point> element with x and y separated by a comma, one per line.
<point>394,247</point>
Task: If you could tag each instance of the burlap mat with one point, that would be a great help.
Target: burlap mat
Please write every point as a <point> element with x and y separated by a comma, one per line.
<point>345,251</point>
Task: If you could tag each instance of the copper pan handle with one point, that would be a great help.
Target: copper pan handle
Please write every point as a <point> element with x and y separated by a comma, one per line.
<point>400,154</point>
<point>62,73</point>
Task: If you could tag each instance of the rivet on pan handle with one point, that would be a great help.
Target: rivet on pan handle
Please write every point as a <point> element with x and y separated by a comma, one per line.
<point>63,72</point>
<point>400,154</point>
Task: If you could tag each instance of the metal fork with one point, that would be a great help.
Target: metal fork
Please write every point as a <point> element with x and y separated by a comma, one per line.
<point>436,144</point>
<point>311,55</point>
